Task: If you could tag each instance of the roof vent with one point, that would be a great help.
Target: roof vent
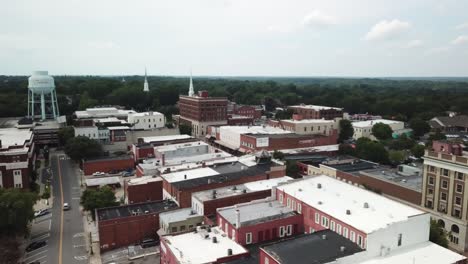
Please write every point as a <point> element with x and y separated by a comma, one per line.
<point>300,189</point>
<point>244,191</point>
<point>319,186</point>
<point>234,188</point>
<point>324,237</point>
<point>185,176</point>
<point>214,240</point>
<point>229,253</point>
<point>348,212</point>
<point>366,205</point>
<point>342,248</point>
<point>320,202</point>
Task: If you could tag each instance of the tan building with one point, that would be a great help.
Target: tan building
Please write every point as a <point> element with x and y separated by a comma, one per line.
<point>307,126</point>
<point>181,220</point>
<point>443,193</point>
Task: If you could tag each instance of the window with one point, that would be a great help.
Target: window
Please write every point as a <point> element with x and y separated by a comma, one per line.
<point>267,260</point>
<point>324,221</point>
<point>317,218</point>
<point>332,225</point>
<point>459,188</point>
<point>233,234</point>
<point>345,232</point>
<point>430,191</point>
<point>182,228</point>
<point>299,208</point>
<point>360,241</point>
<point>353,236</point>
<point>281,231</point>
<point>281,198</point>
<point>431,168</point>
<point>444,172</point>
<point>289,230</point>
<point>456,213</point>
<point>174,229</point>
<point>443,196</point>
<point>17,173</point>
<point>288,202</point>
<point>293,204</point>
<point>460,176</point>
<point>444,184</point>
<point>453,239</point>
<point>431,180</point>
<point>400,236</point>
<point>248,238</point>
<point>458,200</point>
<point>338,229</point>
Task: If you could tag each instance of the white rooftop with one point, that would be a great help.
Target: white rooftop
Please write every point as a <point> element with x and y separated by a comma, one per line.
<point>311,149</point>
<point>266,184</point>
<point>146,114</point>
<point>102,112</point>
<point>143,180</point>
<point>189,174</point>
<point>422,253</point>
<point>102,181</point>
<point>164,138</point>
<point>108,119</point>
<point>177,215</point>
<point>118,128</point>
<point>193,248</point>
<point>309,121</point>
<point>254,130</point>
<point>334,197</point>
<point>172,147</point>
<point>370,123</point>
<point>317,107</point>
<point>14,136</point>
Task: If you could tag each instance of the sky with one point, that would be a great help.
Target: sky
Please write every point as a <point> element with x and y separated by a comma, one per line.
<point>353,38</point>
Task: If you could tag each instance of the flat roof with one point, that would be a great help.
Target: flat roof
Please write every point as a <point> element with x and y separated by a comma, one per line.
<point>193,248</point>
<point>108,119</point>
<point>287,135</point>
<point>317,107</point>
<point>325,148</point>
<point>409,181</point>
<point>164,138</point>
<point>102,181</point>
<point>266,184</point>
<point>189,174</point>
<point>335,197</point>
<point>118,128</point>
<point>309,121</point>
<point>14,137</point>
<point>255,212</point>
<point>426,252</point>
<point>116,212</point>
<point>172,147</point>
<point>319,247</point>
<point>178,215</point>
<point>254,130</point>
<point>224,173</point>
<point>370,123</point>
<point>353,166</point>
<point>152,113</point>
<point>143,180</point>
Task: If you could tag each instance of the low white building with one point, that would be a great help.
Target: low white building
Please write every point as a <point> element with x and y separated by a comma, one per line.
<point>231,135</point>
<point>146,120</point>
<point>307,126</point>
<point>103,112</point>
<point>101,134</point>
<point>364,128</point>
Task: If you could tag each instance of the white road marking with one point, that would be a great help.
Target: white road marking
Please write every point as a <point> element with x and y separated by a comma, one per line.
<point>36,254</point>
<point>75,246</point>
<point>38,258</point>
<point>81,257</point>
<point>76,198</point>
<point>50,223</point>
<point>79,235</point>
<point>40,237</point>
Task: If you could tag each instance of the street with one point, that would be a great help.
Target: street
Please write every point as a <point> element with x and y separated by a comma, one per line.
<point>63,230</point>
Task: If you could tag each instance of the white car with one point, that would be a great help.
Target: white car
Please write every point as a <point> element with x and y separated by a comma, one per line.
<point>66,206</point>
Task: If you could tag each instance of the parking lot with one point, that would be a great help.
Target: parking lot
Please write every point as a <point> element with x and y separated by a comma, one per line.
<point>40,231</point>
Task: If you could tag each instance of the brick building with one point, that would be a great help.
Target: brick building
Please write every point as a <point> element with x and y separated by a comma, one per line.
<point>129,224</point>
<point>259,221</point>
<point>206,202</point>
<point>317,112</point>
<point>143,189</point>
<point>16,157</point>
<point>145,147</point>
<point>445,194</point>
<point>179,186</point>
<point>238,120</point>
<point>200,111</point>
<point>252,111</point>
<point>306,126</point>
<point>108,164</point>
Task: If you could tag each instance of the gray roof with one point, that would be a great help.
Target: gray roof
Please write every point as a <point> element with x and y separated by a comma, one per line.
<point>447,121</point>
<point>139,208</point>
<point>312,248</point>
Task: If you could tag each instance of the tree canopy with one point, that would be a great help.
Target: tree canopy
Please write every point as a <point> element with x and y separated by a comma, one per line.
<point>419,126</point>
<point>16,210</point>
<point>346,130</point>
<point>92,199</point>
<point>80,147</point>
<point>438,234</point>
<point>371,150</point>
<point>382,131</point>
<point>65,134</point>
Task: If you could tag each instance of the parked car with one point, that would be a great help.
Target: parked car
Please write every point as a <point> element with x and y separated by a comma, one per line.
<point>41,212</point>
<point>35,245</point>
<point>66,207</point>
<point>149,242</point>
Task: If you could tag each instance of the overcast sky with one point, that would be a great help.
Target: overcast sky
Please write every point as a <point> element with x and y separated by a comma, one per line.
<point>235,37</point>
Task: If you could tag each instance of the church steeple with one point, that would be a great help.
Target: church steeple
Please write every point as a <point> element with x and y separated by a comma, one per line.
<point>191,92</point>
<point>145,85</point>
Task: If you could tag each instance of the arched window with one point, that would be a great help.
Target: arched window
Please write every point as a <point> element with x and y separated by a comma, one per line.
<point>455,229</point>
<point>441,223</point>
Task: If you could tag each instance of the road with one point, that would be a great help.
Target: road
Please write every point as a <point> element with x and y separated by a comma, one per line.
<point>63,230</point>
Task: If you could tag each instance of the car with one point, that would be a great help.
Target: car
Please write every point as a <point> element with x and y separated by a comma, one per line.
<point>149,242</point>
<point>41,212</point>
<point>66,206</point>
<point>35,245</point>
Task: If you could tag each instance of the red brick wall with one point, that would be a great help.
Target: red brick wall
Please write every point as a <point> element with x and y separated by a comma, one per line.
<point>92,166</point>
<point>263,255</point>
<point>209,207</point>
<point>348,177</point>
<point>8,179</point>
<point>206,109</point>
<point>151,191</point>
<point>142,153</point>
<point>240,121</point>
<point>392,189</point>
<point>122,232</point>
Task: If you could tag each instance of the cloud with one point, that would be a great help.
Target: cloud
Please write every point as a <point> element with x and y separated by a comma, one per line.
<point>385,30</point>
<point>416,43</point>
<point>462,26</point>
<point>102,45</point>
<point>317,19</point>
<point>438,50</point>
<point>460,40</point>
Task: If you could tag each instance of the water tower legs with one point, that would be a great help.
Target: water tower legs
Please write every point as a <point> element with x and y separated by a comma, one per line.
<point>43,112</point>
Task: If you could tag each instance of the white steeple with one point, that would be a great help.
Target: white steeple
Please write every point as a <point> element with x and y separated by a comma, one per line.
<point>145,85</point>
<point>191,92</point>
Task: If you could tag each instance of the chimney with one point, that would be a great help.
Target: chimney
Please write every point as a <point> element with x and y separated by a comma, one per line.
<point>214,240</point>
<point>229,253</point>
<point>185,176</point>
<point>319,186</point>
<point>237,218</point>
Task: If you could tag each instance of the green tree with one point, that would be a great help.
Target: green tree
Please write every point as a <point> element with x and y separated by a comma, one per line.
<point>278,155</point>
<point>418,150</point>
<point>437,135</point>
<point>346,149</point>
<point>16,210</point>
<point>382,131</point>
<point>419,126</point>
<point>80,147</point>
<point>402,142</point>
<point>438,234</point>
<point>346,130</point>
<point>65,134</point>
<point>396,156</point>
<point>86,101</point>
<point>292,169</point>
<point>92,199</point>
<point>185,129</point>
<point>371,150</point>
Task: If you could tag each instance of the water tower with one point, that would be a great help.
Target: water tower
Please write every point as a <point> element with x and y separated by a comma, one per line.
<point>42,97</point>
